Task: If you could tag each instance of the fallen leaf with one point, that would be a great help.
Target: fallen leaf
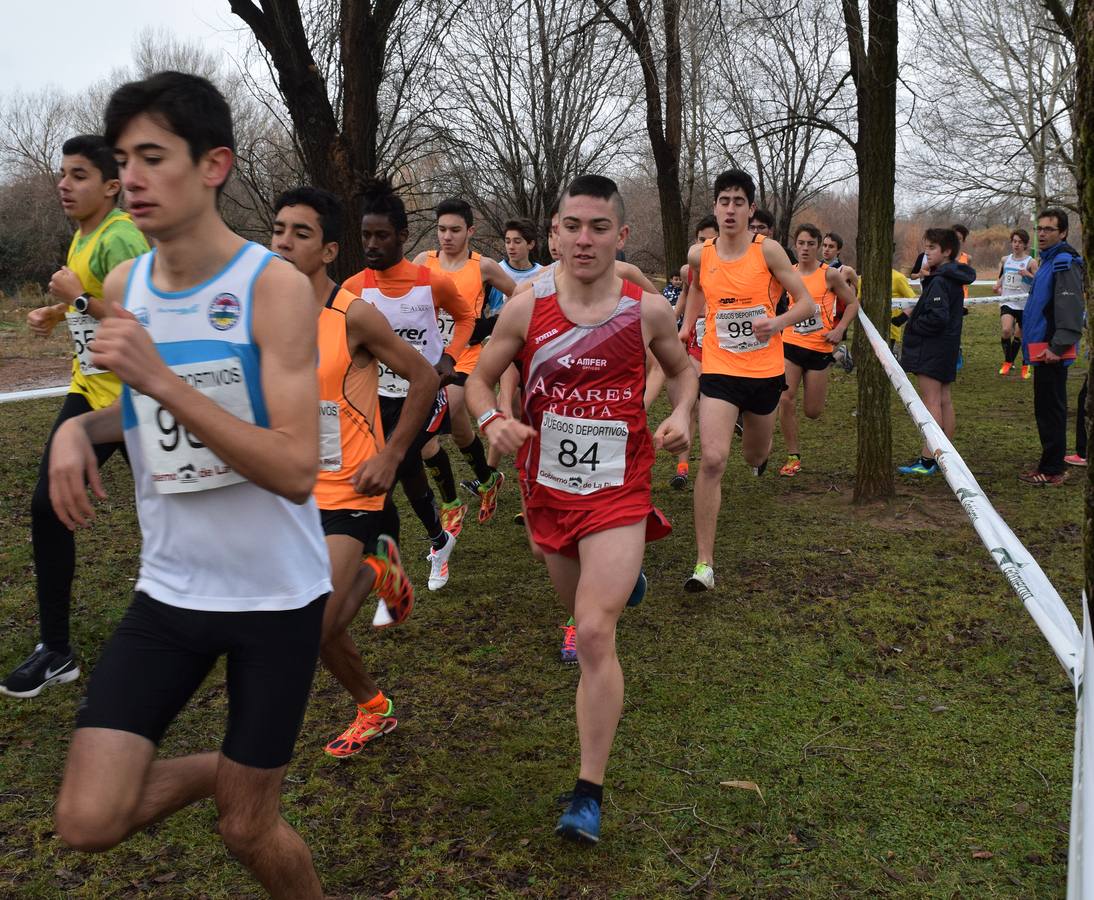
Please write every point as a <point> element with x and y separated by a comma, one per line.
<point>982,854</point>
<point>1021,808</point>
<point>792,838</point>
<point>745,786</point>
<point>939,708</point>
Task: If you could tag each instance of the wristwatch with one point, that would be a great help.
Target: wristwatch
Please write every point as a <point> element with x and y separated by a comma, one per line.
<point>81,303</point>
<point>487,417</point>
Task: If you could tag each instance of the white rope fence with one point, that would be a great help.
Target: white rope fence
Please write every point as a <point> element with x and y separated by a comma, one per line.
<point>1073,649</point>
<point>38,394</point>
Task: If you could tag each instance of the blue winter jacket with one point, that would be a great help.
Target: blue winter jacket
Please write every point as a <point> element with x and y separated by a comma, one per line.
<point>1055,312</point>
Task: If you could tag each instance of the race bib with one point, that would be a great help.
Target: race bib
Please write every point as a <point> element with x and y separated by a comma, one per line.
<point>447,325</point>
<point>177,461</point>
<point>83,327</point>
<point>734,328</point>
<point>700,331</point>
<point>813,323</point>
<point>582,456</point>
<point>330,436</point>
<point>1012,283</point>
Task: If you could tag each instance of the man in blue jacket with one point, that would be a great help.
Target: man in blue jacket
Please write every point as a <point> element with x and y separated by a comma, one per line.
<point>1051,327</point>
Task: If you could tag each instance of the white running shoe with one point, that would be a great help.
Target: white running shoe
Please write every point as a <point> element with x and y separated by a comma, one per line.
<point>702,579</point>
<point>438,563</point>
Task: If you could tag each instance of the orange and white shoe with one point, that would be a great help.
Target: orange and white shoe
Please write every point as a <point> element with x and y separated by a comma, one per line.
<point>1005,368</point>
<point>438,563</point>
<point>1027,373</point>
<point>366,727</point>
<point>793,466</point>
<point>393,585</point>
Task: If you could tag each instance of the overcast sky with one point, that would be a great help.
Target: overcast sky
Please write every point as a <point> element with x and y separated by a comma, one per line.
<point>67,43</point>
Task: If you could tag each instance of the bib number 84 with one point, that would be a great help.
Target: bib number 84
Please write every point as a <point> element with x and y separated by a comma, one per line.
<point>568,458</point>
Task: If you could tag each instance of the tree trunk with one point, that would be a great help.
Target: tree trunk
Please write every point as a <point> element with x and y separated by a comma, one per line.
<point>875,73</point>
<point>1083,18</point>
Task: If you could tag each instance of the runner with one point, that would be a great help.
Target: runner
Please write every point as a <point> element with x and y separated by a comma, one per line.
<point>473,277</point>
<point>831,247</point>
<point>706,230</point>
<point>1016,271</point>
<point>356,464</point>
<point>808,346</point>
<point>105,237</point>
<point>586,455</point>
<point>739,277</point>
<point>216,346</point>
<point>411,298</point>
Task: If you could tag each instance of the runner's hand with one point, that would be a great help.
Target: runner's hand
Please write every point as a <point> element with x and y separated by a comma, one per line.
<point>673,435</point>
<point>65,285</point>
<point>43,320</point>
<point>685,332</point>
<point>376,474</point>
<point>125,347</point>
<point>446,368</point>
<point>72,465</point>
<point>508,435</point>
<point>763,328</point>
<point>834,336</point>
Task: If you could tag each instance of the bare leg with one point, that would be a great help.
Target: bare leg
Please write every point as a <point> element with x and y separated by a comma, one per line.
<point>930,391</point>
<point>949,421</point>
<point>462,434</point>
<point>352,584</point>
<point>756,441</point>
<point>249,801</point>
<point>815,393</point>
<point>716,419</point>
<point>788,411</point>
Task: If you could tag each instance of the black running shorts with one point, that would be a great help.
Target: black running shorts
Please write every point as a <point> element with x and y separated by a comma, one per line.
<point>804,358</point>
<point>1005,310</point>
<point>362,525</point>
<point>759,396</point>
<point>159,655</point>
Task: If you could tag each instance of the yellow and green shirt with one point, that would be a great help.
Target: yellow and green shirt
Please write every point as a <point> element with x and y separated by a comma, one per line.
<point>91,257</point>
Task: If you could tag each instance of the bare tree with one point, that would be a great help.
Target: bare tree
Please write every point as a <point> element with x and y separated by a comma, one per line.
<point>996,120</point>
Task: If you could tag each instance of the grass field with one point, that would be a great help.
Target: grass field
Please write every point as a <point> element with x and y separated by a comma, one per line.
<point>868,669</point>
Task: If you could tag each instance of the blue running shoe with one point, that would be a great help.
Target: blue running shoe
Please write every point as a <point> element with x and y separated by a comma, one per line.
<point>639,592</point>
<point>581,821</point>
<point>918,467</point>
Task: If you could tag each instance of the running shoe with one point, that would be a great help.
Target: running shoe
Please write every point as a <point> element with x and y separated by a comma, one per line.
<point>1027,373</point>
<point>1005,368</point>
<point>638,594</point>
<point>489,491</point>
<point>1041,479</point>
<point>393,585</point>
<point>581,821</point>
<point>366,727</point>
<point>1075,460</point>
<point>793,466</point>
<point>761,468</point>
<point>568,651</point>
<point>39,670</point>
<point>702,579</point>
<point>518,518</point>
<point>918,467</point>
<point>452,517</point>
<point>842,355</point>
<point>438,563</point>
<point>471,485</point>
<point>679,481</point>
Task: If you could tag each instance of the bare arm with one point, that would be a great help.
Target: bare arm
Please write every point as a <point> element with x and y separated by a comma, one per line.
<point>496,276</point>
<point>659,331</point>
<point>778,263</point>
<point>696,299</point>
<point>370,332</point>
<point>635,275</point>
<point>838,285</point>
<point>72,463</point>
<point>282,458</point>
<point>446,297</point>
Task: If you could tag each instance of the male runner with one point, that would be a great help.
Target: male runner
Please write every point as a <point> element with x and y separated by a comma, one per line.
<point>1016,271</point>
<point>738,280</point>
<point>808,346</point>
<point>473,276</point>
<point>105,237</point>
<point>831,247</point>
<point>585,451</point>
<point>357,462</point>
<point>706,230</point>
<point>216,346</point>
<point>411,297</point>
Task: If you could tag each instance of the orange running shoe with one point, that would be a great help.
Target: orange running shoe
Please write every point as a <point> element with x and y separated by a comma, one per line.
<point>1027,373</point>
<point>793,466</point>
<point>366,727</point>
<point>1005,368</point>
<point>452,517</point>
<point>489,491</point>
<point>393,584</point>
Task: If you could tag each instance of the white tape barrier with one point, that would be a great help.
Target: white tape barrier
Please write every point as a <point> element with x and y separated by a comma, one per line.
<point>969,301</point>
<point>1022,571</point>
<point>16,396</point>
<point>1080,865</point>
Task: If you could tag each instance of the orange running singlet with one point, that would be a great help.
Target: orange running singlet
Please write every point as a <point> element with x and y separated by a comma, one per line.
<point>810,333</point>
<point>468,281</point>
<point>739,292</point>
<point>349,420</point>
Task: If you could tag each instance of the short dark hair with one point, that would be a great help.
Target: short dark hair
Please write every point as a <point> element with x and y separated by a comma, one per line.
<point>946,238</point>
<point>597,186</point>
<point>378,198</point>
<point>186,105</point>
<point>97,151</point>
<point>763,216</point>
<point>705,223</point>
<point>327,207</point>
<point>809,228</point>
<point>454,206</point>
<point>1056,213</point>
<point>1021,234</point>
<point>835,237</point>
<point>736,178</point>
<point>554,207</point>
<point>961,230</point>
<point>524,226</point>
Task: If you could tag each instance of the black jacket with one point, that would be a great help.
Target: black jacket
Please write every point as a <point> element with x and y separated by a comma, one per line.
<point>932,337</point>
